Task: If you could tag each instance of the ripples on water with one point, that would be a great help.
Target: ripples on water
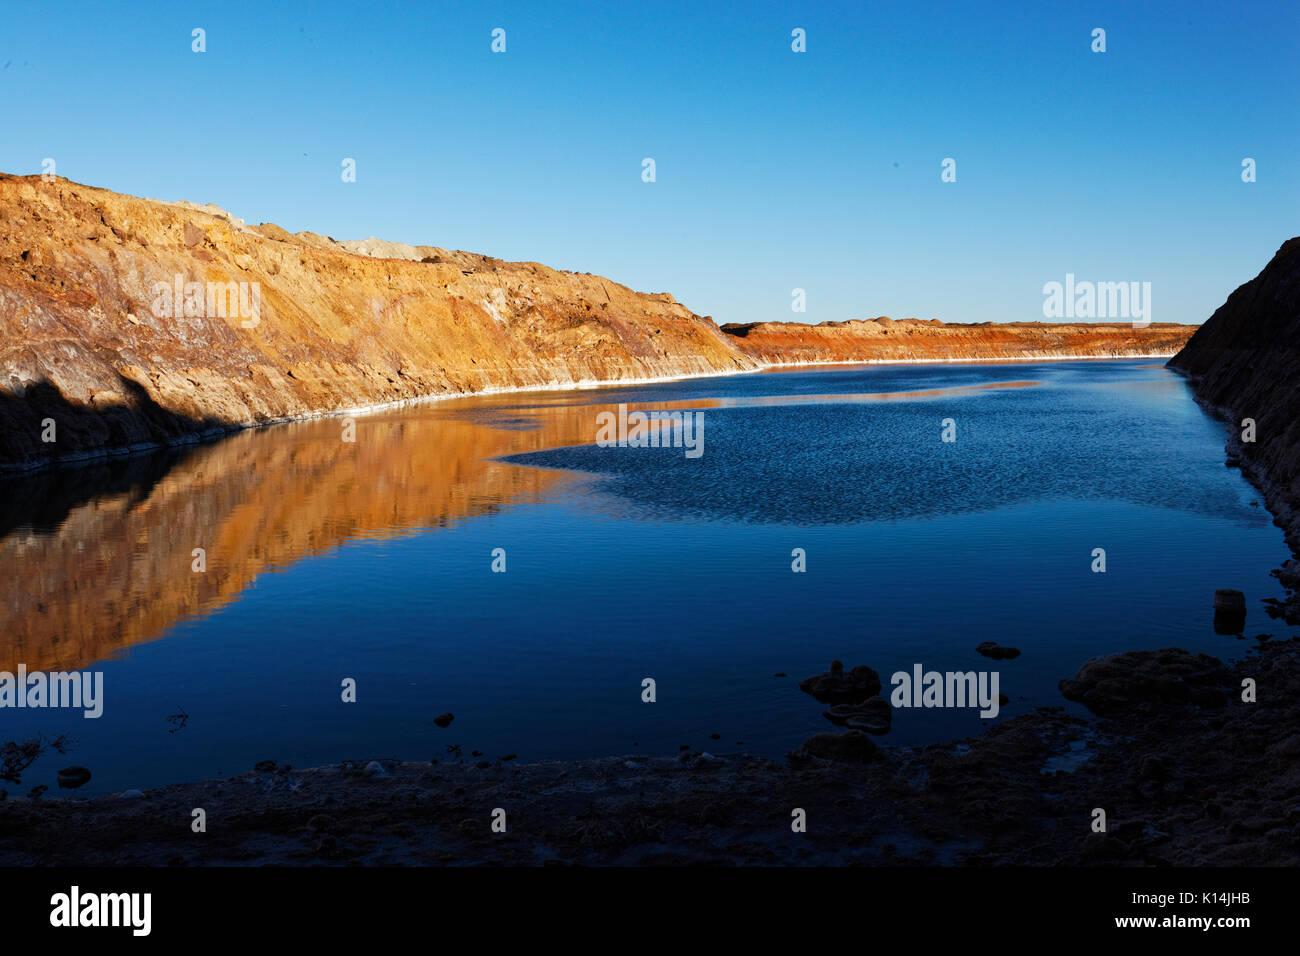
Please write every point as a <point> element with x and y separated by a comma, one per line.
<point>371,560</point>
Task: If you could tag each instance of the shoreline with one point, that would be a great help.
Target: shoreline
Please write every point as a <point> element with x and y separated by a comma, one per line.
<point>1193,780</point>
<point>1276,498</point>
<point>10,470</point>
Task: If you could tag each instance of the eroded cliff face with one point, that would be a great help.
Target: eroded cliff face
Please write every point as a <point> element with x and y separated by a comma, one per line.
<point>129,322</point>
<point>82,341</point>
<point>1244,363</point>
<point>913,340</point>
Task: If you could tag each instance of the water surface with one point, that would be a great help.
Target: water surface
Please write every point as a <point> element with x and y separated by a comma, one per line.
<point>372,560</point>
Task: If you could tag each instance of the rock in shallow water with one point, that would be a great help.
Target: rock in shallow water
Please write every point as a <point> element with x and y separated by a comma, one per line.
<point>1228,599</point>
<point>1229,611</point>
<point>1124,683</point>
<point>997,651</point>
<point>836,686</point>
<point>70,778</point>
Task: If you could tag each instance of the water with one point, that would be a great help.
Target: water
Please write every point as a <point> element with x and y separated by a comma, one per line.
<point>371,560</point>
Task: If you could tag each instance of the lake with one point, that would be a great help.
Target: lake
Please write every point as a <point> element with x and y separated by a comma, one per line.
<point>372,560</point>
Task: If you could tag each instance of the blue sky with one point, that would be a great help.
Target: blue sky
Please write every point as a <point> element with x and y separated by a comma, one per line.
<point>775,170</point>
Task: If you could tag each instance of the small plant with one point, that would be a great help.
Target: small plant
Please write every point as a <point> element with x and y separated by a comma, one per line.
<point>16,757</point>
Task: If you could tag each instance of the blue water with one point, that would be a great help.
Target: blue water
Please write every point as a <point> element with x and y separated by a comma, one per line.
<point>626,563</point>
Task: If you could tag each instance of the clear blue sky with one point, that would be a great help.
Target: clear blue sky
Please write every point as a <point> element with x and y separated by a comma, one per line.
<point>775,170</point>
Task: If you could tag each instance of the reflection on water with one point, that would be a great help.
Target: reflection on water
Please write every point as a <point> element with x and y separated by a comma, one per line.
<point>623,563</point>
<point>84,580</point>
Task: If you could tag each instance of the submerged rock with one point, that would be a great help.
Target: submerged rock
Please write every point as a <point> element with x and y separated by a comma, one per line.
<point>997,651</point>
<point>836,686</point>
<point>873,715</point>
<point>444,720</point>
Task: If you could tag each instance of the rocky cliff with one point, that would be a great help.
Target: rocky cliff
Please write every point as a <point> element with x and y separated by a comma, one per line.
<point>911,340</point>
<point>128,322</point>
<point>1244,364</point>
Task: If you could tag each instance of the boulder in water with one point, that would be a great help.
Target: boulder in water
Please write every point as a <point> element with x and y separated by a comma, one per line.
<point>1229,611</point>
<point>837,686</point>
<point>1126,683</point>
<point>70,778</point>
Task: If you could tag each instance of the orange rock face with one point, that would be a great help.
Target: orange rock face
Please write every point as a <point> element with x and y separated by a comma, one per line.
<point>914,340</point>
<point>81,329</point>
<point>129,322</point>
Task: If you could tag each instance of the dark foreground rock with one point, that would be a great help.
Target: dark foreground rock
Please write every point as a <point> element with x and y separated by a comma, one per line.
<point>837,686</point>
<point>852,746</point>
<point>1112,685</point>
<point>874,715</point>
<point>1182,784</point>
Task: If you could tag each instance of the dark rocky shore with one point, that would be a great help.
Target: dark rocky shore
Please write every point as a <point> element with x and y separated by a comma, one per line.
<point>1244,363</point>
<point>1195,762</point>
<point>1187,773</point>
